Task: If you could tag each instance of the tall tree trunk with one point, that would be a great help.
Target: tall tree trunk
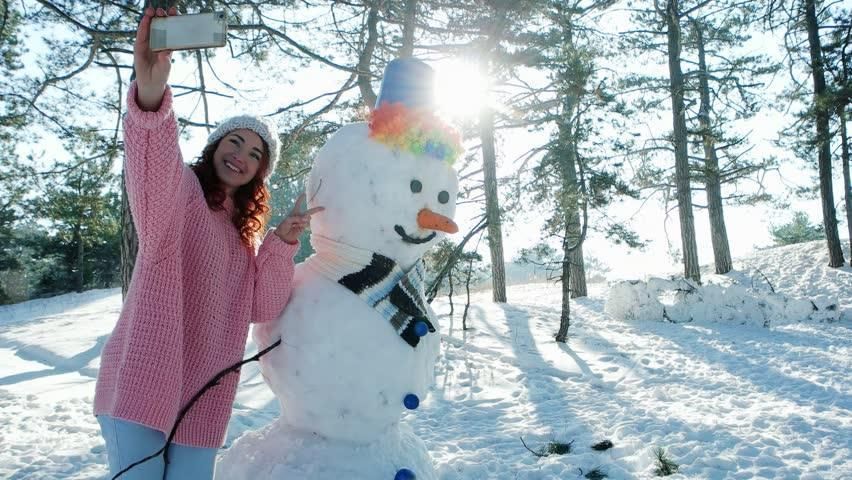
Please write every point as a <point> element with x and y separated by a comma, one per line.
<point>467,292</point>
<point>79,279</point>
<point>578,269</point>
<point>847,184</point>
<point>492,205</point>
<point>844,144</point>
<point>572,249</point>
<point>829,215</point>
<point>408,27</point>
<point>129,241</point>
<point>573,276</point>
<point>565,281</point>
<point>450,294</point>
<point>489,163</point>
<point>718,232</point>
<point>368,95</point>
<point>684,192</point>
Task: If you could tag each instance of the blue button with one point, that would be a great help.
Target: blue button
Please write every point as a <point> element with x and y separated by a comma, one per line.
<point>411,401</point>
<point>405,474</point>
<point>421,329</point>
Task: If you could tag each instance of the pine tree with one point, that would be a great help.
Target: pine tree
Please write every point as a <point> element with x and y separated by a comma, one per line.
<point>805,18</point>
<point>82,205</point>
<point>838,58</point>
<point>798,230</point>
<point>727,88</point>
<point>835,253</point>
<point>673,15</point>
<point>575,172</point>
<point>494,29</point>
<point>666,21</point>
<point>710,86</point>
<point>14,171</point>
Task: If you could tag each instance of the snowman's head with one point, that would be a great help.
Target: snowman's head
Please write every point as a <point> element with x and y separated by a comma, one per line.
<point>382,196</point>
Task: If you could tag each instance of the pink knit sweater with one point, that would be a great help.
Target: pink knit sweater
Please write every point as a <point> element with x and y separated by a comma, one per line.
<point>194,291</point>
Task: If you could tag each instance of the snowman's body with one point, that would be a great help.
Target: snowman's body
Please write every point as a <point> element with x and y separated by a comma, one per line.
<point>364,350</point>
<point>342,370</point>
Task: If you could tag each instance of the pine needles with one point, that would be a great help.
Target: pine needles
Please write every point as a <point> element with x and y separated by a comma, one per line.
<point>552,448</point>
<point>561,448</point>
<point>594,474</point>
<point>665,465</point>
<point>558,448</point>
<point>603,445</point>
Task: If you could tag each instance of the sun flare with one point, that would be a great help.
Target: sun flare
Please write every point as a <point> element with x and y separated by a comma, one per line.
<point>461,90</point>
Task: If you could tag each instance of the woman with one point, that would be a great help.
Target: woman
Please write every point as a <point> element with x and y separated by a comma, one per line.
<point>197,283</point>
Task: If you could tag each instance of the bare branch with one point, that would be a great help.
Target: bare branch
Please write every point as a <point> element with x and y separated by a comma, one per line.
<point>93,32</point>
<point>298,46</point>
<point>202,88</point>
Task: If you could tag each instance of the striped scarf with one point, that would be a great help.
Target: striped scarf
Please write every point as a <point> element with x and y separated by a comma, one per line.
<point>397,295</point>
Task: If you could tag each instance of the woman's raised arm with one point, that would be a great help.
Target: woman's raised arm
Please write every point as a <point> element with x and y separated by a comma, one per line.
<point>153,163</point>
<point>152,68</point>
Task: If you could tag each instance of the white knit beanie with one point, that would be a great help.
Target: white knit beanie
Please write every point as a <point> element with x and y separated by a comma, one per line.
<point>261,127</point>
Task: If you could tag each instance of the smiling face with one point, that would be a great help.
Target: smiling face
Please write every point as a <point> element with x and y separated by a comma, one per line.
<point>387,201</point>
<point>238,158</point>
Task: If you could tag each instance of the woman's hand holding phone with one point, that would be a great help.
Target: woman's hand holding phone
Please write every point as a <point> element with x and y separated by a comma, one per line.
<point>152,68</point>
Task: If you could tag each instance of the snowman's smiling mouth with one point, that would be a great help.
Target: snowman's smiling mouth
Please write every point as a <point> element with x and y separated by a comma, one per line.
<point>409,239</point>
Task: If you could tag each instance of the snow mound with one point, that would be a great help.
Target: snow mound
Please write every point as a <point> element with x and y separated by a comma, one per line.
<point>771,287</point>
<point>721,299</point>
<point>800,271</point>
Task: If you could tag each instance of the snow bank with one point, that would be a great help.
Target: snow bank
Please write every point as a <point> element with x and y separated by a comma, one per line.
<point>721,299</point>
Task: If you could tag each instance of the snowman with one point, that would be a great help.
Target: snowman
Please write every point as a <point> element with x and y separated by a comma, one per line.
<point>359,342</point>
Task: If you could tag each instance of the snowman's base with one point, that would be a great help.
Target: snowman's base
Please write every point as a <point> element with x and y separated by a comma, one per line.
<point>279,452</point>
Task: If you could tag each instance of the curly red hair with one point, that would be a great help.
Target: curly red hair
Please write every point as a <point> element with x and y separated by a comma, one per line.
<point>251,201</point>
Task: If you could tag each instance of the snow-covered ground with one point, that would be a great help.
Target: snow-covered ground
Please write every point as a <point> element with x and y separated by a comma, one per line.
<point>725,400</point>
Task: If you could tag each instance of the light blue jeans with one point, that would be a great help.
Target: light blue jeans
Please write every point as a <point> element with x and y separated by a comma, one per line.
<point>128,442</point>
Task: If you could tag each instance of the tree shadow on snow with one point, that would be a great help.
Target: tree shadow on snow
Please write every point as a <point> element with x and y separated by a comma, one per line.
<point>59,364</point>
<point>614,407</point>
<point>735,350</point>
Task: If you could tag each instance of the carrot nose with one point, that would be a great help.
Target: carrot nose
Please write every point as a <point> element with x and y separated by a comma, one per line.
<point>433,221</point>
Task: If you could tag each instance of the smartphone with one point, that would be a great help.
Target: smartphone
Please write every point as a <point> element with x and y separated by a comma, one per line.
<point>189,32</point>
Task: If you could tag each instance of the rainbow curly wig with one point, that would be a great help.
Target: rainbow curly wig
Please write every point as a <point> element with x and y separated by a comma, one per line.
<point>418,131</point>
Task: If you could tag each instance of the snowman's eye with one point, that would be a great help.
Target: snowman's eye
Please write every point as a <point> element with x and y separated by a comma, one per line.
<point>416,186</point>
<point>444,197</point>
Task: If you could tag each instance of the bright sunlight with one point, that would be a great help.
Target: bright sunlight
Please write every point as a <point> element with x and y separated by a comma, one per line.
<point>460,89</point>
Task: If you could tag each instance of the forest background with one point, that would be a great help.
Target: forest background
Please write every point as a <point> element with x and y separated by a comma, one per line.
<point>603,138</point>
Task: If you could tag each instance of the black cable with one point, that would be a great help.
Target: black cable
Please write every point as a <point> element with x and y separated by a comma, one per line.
<point>212,383</point>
